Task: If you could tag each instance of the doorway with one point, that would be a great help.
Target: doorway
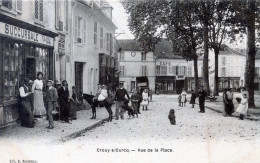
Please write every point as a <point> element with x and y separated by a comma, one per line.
<point>79,77</point>
<point>30,68</point>
<point>179,86</point>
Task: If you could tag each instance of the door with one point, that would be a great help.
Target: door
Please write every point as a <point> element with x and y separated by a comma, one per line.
<point>79,77</point>
<point>179,86</point>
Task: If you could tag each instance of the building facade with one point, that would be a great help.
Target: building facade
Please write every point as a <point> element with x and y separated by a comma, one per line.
<point>27,41</point>
<point>133,62</point>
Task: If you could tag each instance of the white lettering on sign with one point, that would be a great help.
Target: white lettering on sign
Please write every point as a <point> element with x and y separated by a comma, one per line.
<point>25,34</point>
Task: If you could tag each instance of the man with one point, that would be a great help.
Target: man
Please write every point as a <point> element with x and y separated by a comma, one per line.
<point>63,93</point>
<point>230,105</point>
<point>26,110</point>
<point>202,95</point>
<point>51,100</point>
<point>119,98</point>
<point>139,92</point>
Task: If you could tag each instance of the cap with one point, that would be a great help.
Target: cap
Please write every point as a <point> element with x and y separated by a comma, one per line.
<point>50,81</point>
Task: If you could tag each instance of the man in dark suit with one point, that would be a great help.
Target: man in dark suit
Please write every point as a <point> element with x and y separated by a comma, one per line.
<point>63,93</point>
<point>51,100</point>
<point>202,95</point>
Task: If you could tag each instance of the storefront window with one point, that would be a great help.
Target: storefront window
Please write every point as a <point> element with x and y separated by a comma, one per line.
<point>11,53</point>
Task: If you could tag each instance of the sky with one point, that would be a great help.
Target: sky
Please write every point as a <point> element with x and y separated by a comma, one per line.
<point>120,19</point>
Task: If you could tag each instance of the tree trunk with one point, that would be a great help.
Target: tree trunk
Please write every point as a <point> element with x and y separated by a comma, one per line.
<point>196,78</point>
<point>216,84</point>
<point>251,53</point>
<point>206,48</point>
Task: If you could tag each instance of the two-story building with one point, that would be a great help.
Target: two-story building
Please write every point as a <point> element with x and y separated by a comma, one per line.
<point>231,68</point>
<point>173,73</point>
<point>27,45</point>
<point>133,62</point>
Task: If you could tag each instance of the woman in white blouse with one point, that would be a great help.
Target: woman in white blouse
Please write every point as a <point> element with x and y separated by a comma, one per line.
<point>38,104</point>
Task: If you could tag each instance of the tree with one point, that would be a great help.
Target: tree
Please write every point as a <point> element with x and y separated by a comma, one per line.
<point>244,19</point>
<point>152,20</point>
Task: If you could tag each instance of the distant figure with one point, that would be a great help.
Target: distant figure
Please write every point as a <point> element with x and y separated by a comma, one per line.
<point>202,95</point>
<point>242,107</point>
<point>171,117</point>
<point>51,102</point>
<point>135,98</point>
<point>179,99</point>
<point>26,109</point>
<point>139,92</point>
<point>225,102</point>
<point>150,94</point>
<point>230,105</point>
<point>193,98</point>
<point>95,102</point>
<point>38,104</point>
<point>145,98</point>
<point>244,91</point>
<point>183,97</point>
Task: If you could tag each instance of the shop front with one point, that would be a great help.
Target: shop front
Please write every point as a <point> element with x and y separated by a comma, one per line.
<point>229,82</point>
<point>165,84</point>
<point>24,52</point>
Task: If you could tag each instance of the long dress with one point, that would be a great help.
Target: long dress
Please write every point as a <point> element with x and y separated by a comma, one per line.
<point>242,107</point>
<point>73,106</point>
<point>38,104</point>
<point>183,96</point>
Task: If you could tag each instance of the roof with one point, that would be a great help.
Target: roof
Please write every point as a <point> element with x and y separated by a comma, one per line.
<point>131,45</point>
<point>225,50</point>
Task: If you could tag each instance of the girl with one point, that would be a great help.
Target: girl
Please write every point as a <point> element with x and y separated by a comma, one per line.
<point>145,102</point>
<point>183,97</point>
<point>193,98</point>
<point>243,106</point>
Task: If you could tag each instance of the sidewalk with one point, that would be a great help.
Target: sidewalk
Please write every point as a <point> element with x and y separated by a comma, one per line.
<point>61,132</point>
<point>254,114</point>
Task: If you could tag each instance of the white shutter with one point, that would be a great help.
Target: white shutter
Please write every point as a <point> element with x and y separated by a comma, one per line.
<point>84,31</point>
<point>19,5</point>
<point>75,27</point>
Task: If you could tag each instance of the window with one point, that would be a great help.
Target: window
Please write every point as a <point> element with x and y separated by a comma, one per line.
<point>122,56</point>
<point>8,4</point>
<point>108,41</point>
<point>223,61</point>
<point>101,37</point>
<point>122,70</point>
<point>172,70</point>
<point>144,73</point>
<point>38,10</point>
<point>157,70</point>
<point>163,70</point>
<point>257,71</point>
<point>223,71</point>
<point>95,33</point>
<point>189,71</point>
<point>181,70</point>
<point>143,56</point>
<point>80,29</point>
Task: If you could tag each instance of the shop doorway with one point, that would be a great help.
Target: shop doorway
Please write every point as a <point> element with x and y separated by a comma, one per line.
<point>30,68</point>
<point>179,86</point>
<point>79,77</point>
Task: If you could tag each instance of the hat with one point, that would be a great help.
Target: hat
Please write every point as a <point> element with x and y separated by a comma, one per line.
<point>50,81</point>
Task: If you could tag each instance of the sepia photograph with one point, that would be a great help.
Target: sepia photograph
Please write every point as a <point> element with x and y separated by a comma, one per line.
<point>122,81</point>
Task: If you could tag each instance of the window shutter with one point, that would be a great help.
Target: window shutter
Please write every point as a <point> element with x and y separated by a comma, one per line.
<point>36,9</point>
<point>184,70</point>
<point>75,27</point>
<point>19,5</point>
<point>41,10</point>
<point>84,31</point>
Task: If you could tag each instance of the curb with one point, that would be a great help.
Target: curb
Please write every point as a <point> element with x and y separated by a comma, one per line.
<point>249,118</point>
<point>78,133</point>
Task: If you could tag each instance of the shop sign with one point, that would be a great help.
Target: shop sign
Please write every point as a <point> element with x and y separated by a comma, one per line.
<point>142,84</point>
<point>180,77</point>
<point>163,63</point>
<point>24,34</point>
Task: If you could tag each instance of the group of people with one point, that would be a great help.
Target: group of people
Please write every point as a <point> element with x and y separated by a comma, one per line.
<point>202,94</point>
<point>138,99</point>
<point>242,100</point>
<point>36,101</point>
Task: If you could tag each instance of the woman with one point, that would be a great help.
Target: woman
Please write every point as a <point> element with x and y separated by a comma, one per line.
<point>183,97</point>
<point>193,98</point>
<point>38,104</point>
<point>145,97</point>
<point>73,104</point>
<point>242,107</point>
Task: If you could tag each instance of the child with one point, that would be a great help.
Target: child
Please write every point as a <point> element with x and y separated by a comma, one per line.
<point>183,97</point>
<point>243,107</point>
<point>179,99</point>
